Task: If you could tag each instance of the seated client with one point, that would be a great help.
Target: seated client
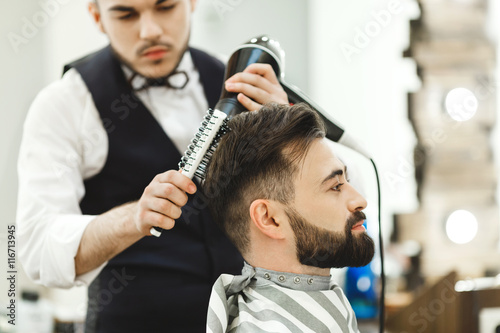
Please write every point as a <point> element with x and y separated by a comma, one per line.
<point>279,192</point>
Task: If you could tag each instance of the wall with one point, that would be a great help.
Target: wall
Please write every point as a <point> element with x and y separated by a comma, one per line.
<point>22,53</point>
<point>220,29</point>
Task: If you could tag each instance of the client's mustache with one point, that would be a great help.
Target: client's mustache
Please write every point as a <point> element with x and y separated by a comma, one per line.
<point>355,218</point>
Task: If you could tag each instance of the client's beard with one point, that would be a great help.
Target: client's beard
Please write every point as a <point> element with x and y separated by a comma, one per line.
<point>323,248</point>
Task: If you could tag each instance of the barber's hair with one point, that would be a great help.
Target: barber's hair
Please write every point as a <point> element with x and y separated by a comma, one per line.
<point>258,159</point>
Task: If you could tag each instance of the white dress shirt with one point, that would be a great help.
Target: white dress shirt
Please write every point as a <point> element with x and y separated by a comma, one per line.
<point>64,143</point>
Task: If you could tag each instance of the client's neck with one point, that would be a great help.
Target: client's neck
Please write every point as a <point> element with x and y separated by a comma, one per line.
<point>281,261</point>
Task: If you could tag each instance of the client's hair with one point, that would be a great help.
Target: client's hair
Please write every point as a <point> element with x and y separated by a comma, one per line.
<point>258,159</point>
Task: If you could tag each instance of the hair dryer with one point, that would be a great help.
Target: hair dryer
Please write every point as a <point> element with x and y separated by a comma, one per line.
<point>263,49</point>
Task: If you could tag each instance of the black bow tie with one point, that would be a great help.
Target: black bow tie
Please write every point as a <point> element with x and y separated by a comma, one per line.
<point>175,80</point>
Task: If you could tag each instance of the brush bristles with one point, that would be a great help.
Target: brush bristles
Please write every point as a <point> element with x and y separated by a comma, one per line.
<point>203,145</point>
<point>202,167</point>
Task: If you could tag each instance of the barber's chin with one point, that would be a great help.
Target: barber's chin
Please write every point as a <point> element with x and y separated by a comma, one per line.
<point>155,70</point>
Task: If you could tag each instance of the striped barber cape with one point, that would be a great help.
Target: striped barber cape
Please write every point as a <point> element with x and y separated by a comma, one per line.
<point>262,300</point>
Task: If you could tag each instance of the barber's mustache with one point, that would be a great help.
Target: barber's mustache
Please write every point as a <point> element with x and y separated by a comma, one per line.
<point>148,45</point>
<point>356,217</point>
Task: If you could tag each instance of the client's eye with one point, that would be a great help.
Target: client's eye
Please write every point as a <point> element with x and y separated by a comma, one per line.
<point>337,187</point>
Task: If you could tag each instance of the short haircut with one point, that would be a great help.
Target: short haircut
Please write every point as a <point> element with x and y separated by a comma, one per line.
<point>258,159</point>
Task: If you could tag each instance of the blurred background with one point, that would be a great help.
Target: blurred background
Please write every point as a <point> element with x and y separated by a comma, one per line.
<point>415,81</point>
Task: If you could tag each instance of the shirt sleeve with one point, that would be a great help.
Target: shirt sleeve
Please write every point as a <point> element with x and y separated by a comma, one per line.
<point>50,169</point>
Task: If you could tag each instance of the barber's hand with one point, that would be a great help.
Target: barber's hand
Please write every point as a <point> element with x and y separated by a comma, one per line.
<point>160,204</point>
<point>257,85</point>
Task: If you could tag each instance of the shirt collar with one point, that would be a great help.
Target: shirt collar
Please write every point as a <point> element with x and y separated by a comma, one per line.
<point>260,276</point>
<point>288,280</point>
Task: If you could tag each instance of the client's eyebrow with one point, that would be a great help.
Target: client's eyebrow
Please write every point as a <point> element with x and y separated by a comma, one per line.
<point>335,173</point>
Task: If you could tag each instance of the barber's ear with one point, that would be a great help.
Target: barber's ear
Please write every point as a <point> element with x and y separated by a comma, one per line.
<point>268,217</point>
<point>93,8</point>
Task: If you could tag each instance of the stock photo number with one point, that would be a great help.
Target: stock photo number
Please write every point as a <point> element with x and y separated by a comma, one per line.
<point>11,273</point>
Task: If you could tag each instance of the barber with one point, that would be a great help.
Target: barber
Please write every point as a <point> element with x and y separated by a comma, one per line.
<point>93,176</point>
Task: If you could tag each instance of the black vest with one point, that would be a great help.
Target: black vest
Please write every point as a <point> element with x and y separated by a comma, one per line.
<point>158,284</point>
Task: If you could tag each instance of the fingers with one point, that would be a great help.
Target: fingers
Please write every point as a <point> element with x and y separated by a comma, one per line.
<point>257,85</point>
<point>264,70</point>
<point>253,80</point>
<point>248,103</point>
<point>169,192</point>
<point>155,220</point>
<point>160,204</point>
<point>251,85</point>
<point>165,207</point>
<point>178,179</point>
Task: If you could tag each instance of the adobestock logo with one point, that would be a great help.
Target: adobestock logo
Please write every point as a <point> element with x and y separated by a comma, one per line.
<point>363,37</point>
<point>31,26</point>
<point>104,295</point>
<point>434,308</point>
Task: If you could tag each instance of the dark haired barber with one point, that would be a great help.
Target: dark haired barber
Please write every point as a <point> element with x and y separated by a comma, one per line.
<point>93,173</point>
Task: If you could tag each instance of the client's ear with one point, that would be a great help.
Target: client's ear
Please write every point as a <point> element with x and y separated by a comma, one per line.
<point>268,217</point>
